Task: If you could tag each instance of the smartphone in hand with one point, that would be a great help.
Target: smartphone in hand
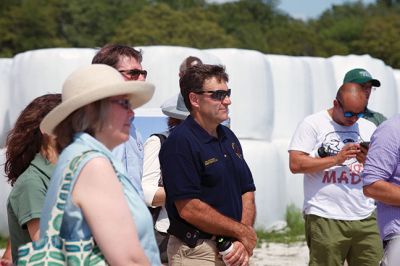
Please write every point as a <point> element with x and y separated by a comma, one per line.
<point>365,144</point>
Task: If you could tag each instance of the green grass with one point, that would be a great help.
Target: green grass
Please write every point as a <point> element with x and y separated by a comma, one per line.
<point>3,242</point>
<point>294,232</point>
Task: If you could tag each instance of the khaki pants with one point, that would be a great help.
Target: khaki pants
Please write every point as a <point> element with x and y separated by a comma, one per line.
<point>204,254</point>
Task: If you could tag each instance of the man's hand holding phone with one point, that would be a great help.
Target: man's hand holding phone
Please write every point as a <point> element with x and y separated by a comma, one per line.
<point>362,155</point>
<point>365,144</point>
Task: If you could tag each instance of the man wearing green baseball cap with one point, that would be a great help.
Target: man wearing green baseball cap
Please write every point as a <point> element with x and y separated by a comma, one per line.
<point>364,78</point>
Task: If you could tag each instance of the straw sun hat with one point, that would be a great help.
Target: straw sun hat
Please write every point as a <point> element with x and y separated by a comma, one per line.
<point>93,83</point>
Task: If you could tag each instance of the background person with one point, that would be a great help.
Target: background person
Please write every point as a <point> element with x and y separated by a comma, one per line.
<point>152,183</point>
<point>364,78</point>
<point>30,160</point>
<point>188,62</point>
<point>192,61</point>
<point>339,220</point>
<point>209,187</point>
<point>381,181</point>
<point>93,118</point>
<point>127,61</point>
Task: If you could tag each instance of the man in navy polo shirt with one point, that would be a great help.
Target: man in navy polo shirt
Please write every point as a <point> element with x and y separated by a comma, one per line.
<point>209,187</point>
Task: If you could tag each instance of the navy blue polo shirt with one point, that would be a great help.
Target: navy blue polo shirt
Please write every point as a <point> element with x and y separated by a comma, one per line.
<point>196,165</point>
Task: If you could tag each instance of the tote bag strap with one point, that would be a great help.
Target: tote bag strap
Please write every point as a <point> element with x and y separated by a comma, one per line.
<point>57,213</point>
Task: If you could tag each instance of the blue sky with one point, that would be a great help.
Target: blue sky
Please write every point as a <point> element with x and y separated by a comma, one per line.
<point>305,9</point>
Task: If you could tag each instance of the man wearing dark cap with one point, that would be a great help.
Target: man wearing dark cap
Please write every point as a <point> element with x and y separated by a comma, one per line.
<point>340,223</point>
<point>364,78</point>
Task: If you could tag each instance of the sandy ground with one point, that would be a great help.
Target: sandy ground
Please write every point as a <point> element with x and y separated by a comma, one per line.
<point>274,254</point>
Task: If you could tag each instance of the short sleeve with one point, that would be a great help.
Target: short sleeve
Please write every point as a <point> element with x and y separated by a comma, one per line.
<point>27,198</point>
<point>179,169</point>
<point>383,155</point>
<point>304,138</point>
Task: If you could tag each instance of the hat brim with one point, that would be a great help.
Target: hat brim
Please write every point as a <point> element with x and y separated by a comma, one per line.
<point>139,93</point>
<point>171,111</point>
<point>374,82</point>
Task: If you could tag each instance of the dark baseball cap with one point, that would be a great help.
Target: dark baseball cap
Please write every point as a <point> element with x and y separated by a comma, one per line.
<point>359,75</point>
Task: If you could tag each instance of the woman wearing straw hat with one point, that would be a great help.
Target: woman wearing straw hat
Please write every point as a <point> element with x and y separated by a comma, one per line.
<point>94,117</point>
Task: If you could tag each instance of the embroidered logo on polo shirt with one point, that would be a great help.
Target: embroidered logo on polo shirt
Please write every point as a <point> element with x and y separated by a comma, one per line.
<point>237,150</point>
<point>210,161</point>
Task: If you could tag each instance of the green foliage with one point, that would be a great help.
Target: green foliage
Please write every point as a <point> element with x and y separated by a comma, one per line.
<point>294,232</point>
<point>182,4</point>
<point>162,25</point>
<point>3,243</point>
<point>381,43</point>
<point>294,219</point>
<point>247,21</point>
<point>30,25</point>
<point>353,27</point>
<point>93,23</point>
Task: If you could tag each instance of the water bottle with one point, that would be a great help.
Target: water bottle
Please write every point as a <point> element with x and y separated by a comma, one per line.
<point>224,245</point>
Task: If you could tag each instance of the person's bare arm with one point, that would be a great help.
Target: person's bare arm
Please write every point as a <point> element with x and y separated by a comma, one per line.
<point>239,255</point>
<point>34,229</point>
<point>100,195</point>
<point>249,208</point>
<point>383,191</point>
<point>159,197</point>
<point>301,162</point>
<point>6,259</point>
<point>209,220</point>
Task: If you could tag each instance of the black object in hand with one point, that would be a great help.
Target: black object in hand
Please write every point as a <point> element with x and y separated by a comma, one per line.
<point>322,152</point>
<point>365,144</point>
<point>223,243</point>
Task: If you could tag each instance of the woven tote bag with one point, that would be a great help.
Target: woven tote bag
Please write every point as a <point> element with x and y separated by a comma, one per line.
<point>54,250</point>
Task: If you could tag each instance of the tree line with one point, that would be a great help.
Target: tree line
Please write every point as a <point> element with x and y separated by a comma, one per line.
<point>351,28</point>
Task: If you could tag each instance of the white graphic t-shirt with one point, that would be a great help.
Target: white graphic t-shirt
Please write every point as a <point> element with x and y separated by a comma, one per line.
<point>336,192</point>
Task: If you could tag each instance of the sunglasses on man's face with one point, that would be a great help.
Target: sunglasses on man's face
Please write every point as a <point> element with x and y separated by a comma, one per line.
<point>124,103</point>
<point>134,74</point>
<point>218,95</point>
<point>349,114</point>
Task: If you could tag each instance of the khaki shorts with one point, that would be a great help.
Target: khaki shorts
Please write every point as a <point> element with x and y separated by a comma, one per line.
<point>331,242</point>
<point>204,254</point>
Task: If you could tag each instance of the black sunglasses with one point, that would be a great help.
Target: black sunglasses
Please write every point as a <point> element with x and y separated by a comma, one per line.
<point>124,103</point>
<point>134,73</point>
<point>218,95</point>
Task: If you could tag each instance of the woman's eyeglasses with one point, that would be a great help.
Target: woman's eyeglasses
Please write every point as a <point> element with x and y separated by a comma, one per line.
<point>350,114</point>
<point>217,95</point>
<point>134,74</point>
<point>124,103</point>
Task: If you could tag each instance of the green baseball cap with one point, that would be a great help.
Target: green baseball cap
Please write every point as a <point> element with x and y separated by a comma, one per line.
<point>359,75</point>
